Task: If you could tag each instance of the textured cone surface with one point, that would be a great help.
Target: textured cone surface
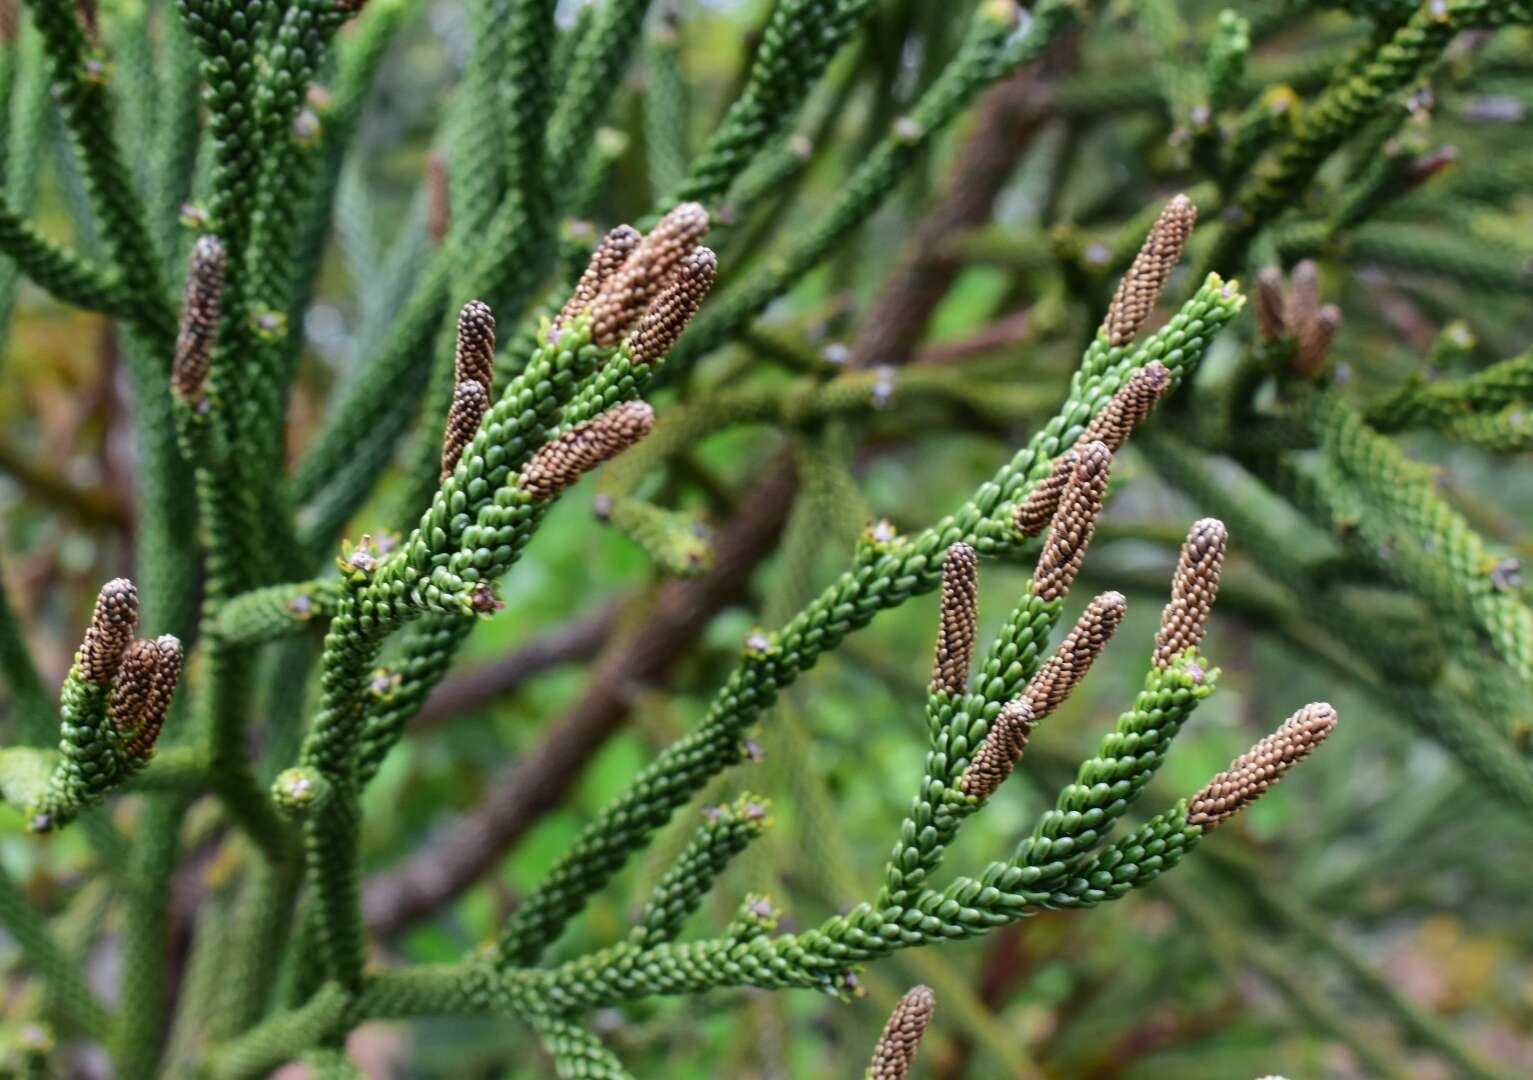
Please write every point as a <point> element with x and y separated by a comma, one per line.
<point>470,401</point>
<point>474,357</point>
<point>1271,306</point>
<point>1064,670</point>
<point>1251,774</point>
<point>111,630</point>
<point>896,1050</point>
<point>578,451</point>
<point>663,324</point>
<point>624,296</point>
<point>141,695</point>
<point>1001,750</point>
<point>1073,523</point>
<point>1151,269</point>
<point>1193,589</point>
<point>1035,513</point>
<point>960,618</point>
<point>199,319</point>
<point>606,260</point>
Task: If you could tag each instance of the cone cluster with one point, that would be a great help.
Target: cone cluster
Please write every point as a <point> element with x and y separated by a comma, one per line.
<point>624,295</point>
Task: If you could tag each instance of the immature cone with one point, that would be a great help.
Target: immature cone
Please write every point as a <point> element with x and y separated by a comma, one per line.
<point>1193,588</point>
<point>663,323</point>
<point>1127,409</point>
<point>142,691</point>
<point>608,257</point>
<point>1001,750</point>
<point>1074,522</point>
<point>438,200</point>
<point>199,319</point>
<point>474,355</point>
<point>1304,298</point>
<point>1315,337</point>
<point>1271,305</point>
<point>569,457</point>
<point>1151,269</point>
<point>960,621</point>
<point>110,631</point>
<point>896,1050</point>
<point>1252,773</point>
<point>624,296</point>
<point>470,401</point>
<point>1064,670</point>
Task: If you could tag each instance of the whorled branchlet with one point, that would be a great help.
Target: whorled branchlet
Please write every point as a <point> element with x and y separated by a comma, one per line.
<point>1119,418</point>
<point>1271,305</point>
<point>1068,664</point>
<point>1315,337</point>
<point>566,459</point>
<point>959,622</point>
<point>141,694</point>
<point>624,296</point>
<point>199,319</point>
<point>470,401</point>
<point>895,1053</point>
<point>1073,523</point>
<point>1151,269</point>
<point>474,354</point>
<point>1002,749</point>
<point>1193,589</point>
<point>606,260</point>
<point>1252,773</point>
<point>662,325</point>
<point>110,631</point>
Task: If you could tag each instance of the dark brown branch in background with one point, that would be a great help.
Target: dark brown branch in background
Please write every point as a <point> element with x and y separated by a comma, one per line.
<point>1010,115</point>
<point>577,640</point>
<point>539,781</point>
<point>93,506</point>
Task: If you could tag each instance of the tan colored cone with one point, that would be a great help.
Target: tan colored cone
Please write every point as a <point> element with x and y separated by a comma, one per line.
<point>1141,286</point>
<point>960,621</point>
<point>1193,589</point>
<point>1259,768</point>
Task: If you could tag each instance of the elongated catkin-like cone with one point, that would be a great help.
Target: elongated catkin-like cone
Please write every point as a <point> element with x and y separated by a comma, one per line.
<point>438,199</point>
<point>199,319</point>
<point>1315,338</point>
<point>609,256</point>
<point>1252,773</point>
<point>110,632</point>
<point>1064,670</point>
<point>470,401</point>
<point>1271,305</point>
<point>474,356</point>
<point>1127,409</point>
<point>1193,589</point>
<point>565,460</point>
<point>1074,522</point>
<point>1002,749</point>
<point>1151,269</point>
<point>142,691</point>
<point>960,621</point>
<point>896,1050</point>
<point>624,297</point>
<point>662,325</point>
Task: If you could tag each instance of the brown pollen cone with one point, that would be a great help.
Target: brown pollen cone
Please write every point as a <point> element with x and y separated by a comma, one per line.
<point>668,317</point>
<point>1252,773</point>
<point>438,200</point>
<point>1119,418</point>
<point>1271,305</point>
<point>474,354</point>
<point>1074,522</point>
<point>1304,297</point>
<point>110,631</point>
<point>199,319</point>
<point>625,296</point>
<point>1002,749</point>
<point>1315,339</point>
<point>608,257</point>
<point>470,401</point>
<point>569,457</point>
<point>960,621</point>
<point>1193,589</point>
<point>1068,664</point>
<point>141,695</point>
<point>1151,269</point>
<point>895,1053</point>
